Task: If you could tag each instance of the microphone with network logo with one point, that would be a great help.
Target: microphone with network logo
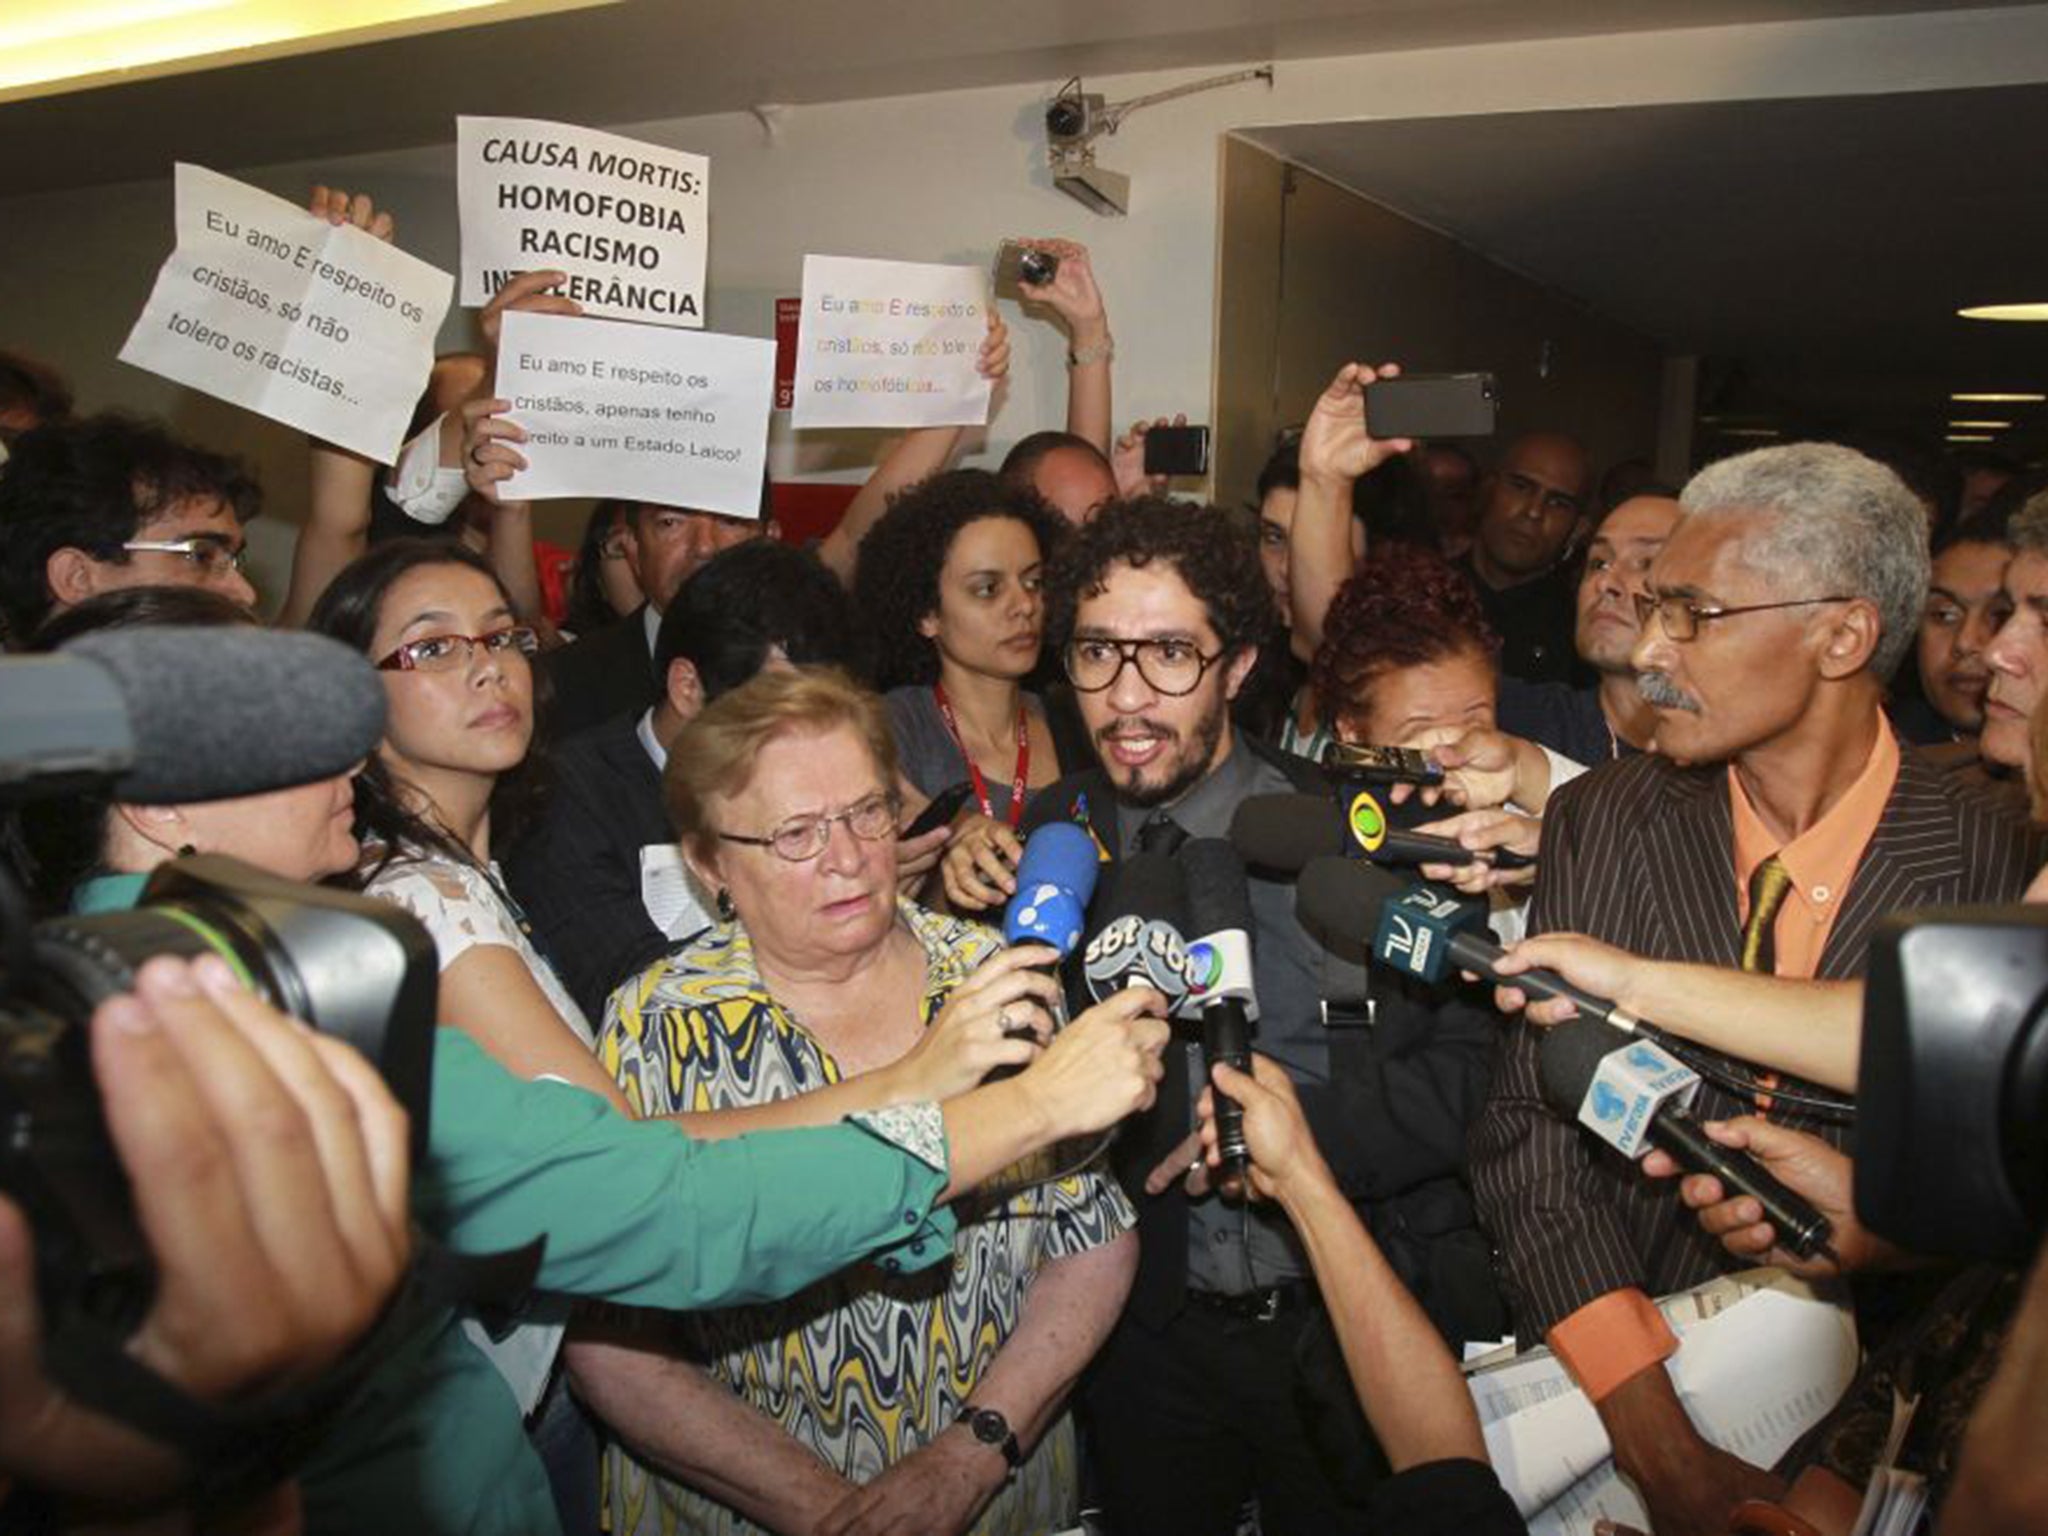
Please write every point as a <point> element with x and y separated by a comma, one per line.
<point>1140,943</point>
<point>1056,876</point>
<point>1284,831</point>
<point>1220,909</point>
<point>1634,1095</point>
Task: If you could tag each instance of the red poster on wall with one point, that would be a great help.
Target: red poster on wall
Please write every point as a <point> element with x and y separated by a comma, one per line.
<point>786,312</point>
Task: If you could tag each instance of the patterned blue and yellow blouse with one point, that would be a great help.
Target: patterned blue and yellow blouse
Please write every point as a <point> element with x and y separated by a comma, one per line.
<point>869,1365</point>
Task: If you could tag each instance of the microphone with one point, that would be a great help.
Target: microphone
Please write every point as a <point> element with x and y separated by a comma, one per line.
<point>1055,879</point>
<point>1633,1095</point>
<point>1418,930</point>
<point>1284,832</point>
<point>1140,943</point>
<point>1220,910</point>
<point>177,713</point>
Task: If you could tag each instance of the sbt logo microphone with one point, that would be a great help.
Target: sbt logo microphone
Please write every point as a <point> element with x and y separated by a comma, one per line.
<point>1628,1088</point>
<point>1415,932</point>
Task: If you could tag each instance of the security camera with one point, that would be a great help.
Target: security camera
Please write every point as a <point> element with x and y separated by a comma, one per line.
<point>1073,118</point>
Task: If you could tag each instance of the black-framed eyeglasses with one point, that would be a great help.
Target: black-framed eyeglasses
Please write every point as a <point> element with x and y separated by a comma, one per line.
<point>450,653</point>
<point>210,553</point>
<point>802,838</point>
<point>1172,667</point>
<point>1682,617</point>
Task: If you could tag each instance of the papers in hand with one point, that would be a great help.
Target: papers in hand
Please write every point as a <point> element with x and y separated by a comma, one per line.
<point>1762,1359</point>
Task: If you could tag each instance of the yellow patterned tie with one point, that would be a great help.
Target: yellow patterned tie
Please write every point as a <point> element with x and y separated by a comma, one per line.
<point>1767,888</point>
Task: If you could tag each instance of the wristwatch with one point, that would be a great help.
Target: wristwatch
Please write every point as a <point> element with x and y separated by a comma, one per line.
<point>992,1429</point>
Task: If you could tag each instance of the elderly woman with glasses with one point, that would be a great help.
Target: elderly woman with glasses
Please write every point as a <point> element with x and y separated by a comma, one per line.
<point>875,1400</point>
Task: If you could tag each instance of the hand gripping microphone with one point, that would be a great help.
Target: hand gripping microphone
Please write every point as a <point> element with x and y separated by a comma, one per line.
<point>1140,943</point>
<point>1220,910</point>
<point>1055,879</point>
<point>1419,930</point>
<point>1283,832</point>
<point>178,713</point>
<point>1634,1095</point>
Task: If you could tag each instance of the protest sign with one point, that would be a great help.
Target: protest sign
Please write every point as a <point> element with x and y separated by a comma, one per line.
<point>625,220</point>
<point>321,327</point>
<point>890,344</point>
<point>612,409</point>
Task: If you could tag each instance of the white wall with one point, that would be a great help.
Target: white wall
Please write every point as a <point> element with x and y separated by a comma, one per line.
<point>943,176</point>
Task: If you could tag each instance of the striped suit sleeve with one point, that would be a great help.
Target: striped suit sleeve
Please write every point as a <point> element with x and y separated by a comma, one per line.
<point>1549,1206</point>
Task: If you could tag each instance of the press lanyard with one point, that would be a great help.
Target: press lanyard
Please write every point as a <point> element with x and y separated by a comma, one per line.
<point>988,809</point>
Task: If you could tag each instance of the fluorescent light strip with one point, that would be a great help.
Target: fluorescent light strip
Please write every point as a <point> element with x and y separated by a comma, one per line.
<point>52,46</point>
<point>1994,398</point>
<point>2034,313</point>
<point>1968,437</point>
<point>1979,426</point>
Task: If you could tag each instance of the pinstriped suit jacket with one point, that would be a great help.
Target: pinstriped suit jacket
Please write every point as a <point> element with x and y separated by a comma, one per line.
<point>1641,853</point>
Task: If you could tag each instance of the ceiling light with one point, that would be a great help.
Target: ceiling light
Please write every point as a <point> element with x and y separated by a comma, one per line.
<point>2005,312</point>
<point>51,46</point>
<point>1751,432</point>
<point>1993,398</point>
<point>1967,437</point>
<point>1979,426</point>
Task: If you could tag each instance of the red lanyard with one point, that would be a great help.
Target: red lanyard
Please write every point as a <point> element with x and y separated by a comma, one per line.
<point>974,773</point>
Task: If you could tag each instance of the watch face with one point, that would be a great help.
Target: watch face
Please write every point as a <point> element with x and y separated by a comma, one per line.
<point>989,1427</point>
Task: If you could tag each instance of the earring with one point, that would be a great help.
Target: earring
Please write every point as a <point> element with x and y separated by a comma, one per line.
<point>723,902</point>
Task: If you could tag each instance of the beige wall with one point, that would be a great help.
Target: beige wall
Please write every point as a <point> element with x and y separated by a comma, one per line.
<point>1314,275</point>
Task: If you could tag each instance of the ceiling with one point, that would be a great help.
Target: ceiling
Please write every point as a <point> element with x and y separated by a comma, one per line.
<point>1825,244</point>
<point>639,60</point>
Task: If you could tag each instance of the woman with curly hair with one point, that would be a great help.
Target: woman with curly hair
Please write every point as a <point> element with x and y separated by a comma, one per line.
<point>950,581</point>
<point>1407,658</point>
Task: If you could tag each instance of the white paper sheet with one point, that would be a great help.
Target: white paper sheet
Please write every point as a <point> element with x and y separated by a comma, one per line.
<point>324,328</point>
<point>890,344</point>
<point>627,221</point>
<point>1762,1359</point>
<point>612,409</point>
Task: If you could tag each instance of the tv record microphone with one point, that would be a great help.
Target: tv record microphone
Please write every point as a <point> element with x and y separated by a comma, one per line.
<point>1634,1095</point>
<point>178,713</point>
<point>1421,930</point>
<point>1283,832</point>
<point>1220,909</point>
<point>1055,878</point>
<point>1141,941</point>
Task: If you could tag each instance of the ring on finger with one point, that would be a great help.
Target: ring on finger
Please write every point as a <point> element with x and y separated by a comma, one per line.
<point>476,453</point>
<point>1004,1023</point>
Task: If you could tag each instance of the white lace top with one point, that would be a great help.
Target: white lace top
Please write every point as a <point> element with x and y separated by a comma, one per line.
<point>462,908</point>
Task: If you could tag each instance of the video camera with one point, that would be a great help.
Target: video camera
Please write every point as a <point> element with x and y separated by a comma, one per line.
<point>1951,1141</point>
<point>164,715</point>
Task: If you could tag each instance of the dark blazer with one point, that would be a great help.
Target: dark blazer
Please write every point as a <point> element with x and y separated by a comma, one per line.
<point>1640,853</point>
<point>1391,1121</point>
<point>577,872</point>
<point>604,673</point>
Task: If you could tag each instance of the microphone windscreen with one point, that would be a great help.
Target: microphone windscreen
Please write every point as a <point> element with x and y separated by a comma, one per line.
<point>1148,886</point>
<point>1283,832</point>
<point>1567,1059</point>
<point>1218,899</point>
<point>1341,895</point>
<point>218,711</point>
<point>1055,878</point>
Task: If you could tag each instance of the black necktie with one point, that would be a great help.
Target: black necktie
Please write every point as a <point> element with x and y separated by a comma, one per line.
<point>1160,834</point>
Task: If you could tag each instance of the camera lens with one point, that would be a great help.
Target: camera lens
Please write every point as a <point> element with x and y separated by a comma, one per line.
<point>1037,268</point>
<point>1065,118</point>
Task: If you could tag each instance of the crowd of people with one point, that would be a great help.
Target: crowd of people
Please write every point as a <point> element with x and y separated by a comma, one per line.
<point>857,1219</point>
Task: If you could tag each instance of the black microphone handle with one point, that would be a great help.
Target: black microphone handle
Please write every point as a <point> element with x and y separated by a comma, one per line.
<point>1226,1037</point>
<point>1802,1230</point>
<point>1472,953</point>
<point>1428,848</point>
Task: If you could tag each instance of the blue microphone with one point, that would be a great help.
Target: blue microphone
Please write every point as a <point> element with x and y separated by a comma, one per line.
<point>1055,879</point>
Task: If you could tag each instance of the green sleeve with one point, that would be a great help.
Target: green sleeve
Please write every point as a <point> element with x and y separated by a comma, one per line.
<point>635,1211</point>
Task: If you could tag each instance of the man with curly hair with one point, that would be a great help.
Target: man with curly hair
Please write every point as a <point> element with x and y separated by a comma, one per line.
<point>1214,1388</point>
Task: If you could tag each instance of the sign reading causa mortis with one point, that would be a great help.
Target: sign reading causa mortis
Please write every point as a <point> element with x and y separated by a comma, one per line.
<point>625,220</point>
<point>323,328</point>
<point>678,418</point>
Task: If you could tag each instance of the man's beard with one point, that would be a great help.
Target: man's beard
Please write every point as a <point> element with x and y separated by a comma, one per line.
<point>1188,769</point>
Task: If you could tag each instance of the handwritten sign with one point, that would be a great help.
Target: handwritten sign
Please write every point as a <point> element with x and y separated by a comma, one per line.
<point>625,220</point>
<point>614,409</point>
<point>890,344</point>
<point>324,328</point>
